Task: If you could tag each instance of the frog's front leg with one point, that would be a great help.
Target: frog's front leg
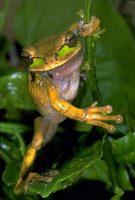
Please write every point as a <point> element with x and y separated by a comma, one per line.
<point>89,29</point>
<point>44,130</point>
<point>92,115</point>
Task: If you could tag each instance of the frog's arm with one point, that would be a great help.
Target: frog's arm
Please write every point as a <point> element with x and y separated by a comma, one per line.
<point>83,30</point>
<point>91,115</point>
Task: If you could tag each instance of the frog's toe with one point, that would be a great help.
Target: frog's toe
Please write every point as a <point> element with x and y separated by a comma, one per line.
<point>34,178</point>
<point>119,119</point>
<point>50,174</point>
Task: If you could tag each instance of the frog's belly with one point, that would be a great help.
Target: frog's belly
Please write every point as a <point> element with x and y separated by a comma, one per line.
<point>38,90</point>
<point>48,112</point>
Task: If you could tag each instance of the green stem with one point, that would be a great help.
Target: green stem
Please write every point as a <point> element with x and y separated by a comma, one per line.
<point>5,157</point>
<point>21,143</point>
<point>87,10</point>
<point>91,56</point>
<point>3,13</point>
<point>112,167</point>
<point>9,128</point>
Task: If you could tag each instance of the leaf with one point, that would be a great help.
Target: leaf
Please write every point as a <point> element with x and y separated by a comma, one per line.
<point>69,173</point>
<point>12,128</point>
<point>10,174</point>
<point>8,190</point>
<point>97,171</point>
<point>123,177</point>
<point>15,129</point>
<point>14,93</point>
<point>124,148</point>
<point>41,19</point>
<point>9,149</point>
<point>115,59</point>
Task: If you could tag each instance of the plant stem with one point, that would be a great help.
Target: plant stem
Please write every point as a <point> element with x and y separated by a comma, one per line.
<point>91,43</point>
<point>9,128</point>
<point>112,167</point>
<point>5,157</point>
<point>21,143</point>
<point>87,10</point>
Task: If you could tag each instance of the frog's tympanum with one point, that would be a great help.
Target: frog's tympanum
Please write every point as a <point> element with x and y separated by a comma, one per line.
<point>53,80</point>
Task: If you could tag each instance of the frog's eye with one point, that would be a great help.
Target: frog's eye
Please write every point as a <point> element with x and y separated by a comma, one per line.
<point>71,39</point>
<point>27,57</point>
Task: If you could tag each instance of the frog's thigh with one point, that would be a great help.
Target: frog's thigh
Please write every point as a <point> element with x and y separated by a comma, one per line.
<point>44,132</point>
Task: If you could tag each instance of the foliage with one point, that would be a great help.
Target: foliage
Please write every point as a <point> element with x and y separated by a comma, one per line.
<point>78,151</point>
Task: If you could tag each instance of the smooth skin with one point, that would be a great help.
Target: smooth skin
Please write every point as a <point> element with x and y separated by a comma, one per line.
<point>53,81</point>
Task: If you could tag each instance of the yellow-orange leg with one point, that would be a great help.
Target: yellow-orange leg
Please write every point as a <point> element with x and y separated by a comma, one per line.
<point>92,115</point>
<point>89,29</point>
<point>44,132</point>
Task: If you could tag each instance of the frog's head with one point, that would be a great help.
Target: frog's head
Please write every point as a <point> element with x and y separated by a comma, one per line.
<point>52,52</point>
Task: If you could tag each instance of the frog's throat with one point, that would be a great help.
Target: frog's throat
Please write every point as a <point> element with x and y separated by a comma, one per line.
<point>63,72</point>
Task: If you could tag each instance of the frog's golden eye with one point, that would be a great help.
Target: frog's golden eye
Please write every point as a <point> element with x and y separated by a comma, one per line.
<point>71,39</point>
<point>27,57</point>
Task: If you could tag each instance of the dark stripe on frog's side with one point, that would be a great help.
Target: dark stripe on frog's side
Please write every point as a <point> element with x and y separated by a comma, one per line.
<point>46,74</point>
<point>32,76</point>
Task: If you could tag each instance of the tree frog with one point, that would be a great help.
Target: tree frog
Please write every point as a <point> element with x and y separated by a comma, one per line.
<point>53,80</point>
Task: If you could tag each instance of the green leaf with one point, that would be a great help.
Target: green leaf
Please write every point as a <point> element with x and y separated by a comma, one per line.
<point>14,92</point>
<point>41,19</point>
<point>97,171</point>
<point>123,177</point>
<point>71,171</point>
<point>82,127</point>
<point>8,190</point>
<point>10,174</point>
<point>115,59</point>
<point>124,148</point>
<point>12,148</point>
<point>9,148</point>
<point>13,128</point>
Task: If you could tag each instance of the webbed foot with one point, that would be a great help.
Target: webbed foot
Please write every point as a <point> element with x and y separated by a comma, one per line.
<point>34,178</point>
<point>97,115</point>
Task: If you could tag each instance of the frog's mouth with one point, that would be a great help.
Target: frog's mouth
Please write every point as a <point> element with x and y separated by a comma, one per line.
<point>63,72</point>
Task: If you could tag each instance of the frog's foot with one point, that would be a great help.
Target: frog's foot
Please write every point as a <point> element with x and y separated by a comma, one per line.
<point>96,116</point>
<point>34,178</point>
<point>89,29</point>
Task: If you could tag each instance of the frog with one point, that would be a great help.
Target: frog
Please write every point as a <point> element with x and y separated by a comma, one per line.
<point>53,78</point>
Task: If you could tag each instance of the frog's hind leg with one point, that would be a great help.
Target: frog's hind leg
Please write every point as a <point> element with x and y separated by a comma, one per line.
<point>43,134</point>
